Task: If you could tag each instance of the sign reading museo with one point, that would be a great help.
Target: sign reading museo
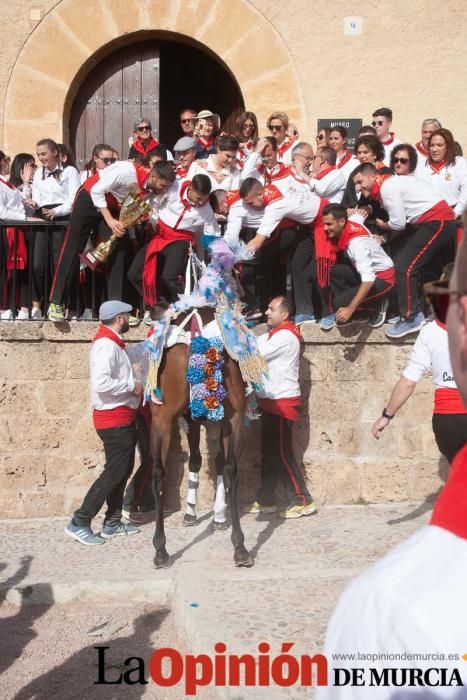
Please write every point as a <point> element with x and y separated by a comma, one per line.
<point>352,126</point>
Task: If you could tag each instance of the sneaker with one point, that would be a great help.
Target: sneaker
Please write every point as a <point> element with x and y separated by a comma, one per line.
<point>327,322</point>
<point>298,511</point>
<point>394,319</point>
<point>304,318</point>
<point>6,315</point>
<point>147,320</point>
<point>86,315</point>
<point>134,321</point>
<point>36,314</point>
<point>55,313</point>
<point>378,318</point>
<point>255,507</point>
<point>22,315</point>
<point>120,528</point>
<point>83,534</point>
<point>405,327</point>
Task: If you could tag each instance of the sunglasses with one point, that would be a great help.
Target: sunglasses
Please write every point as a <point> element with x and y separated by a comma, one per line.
<point>378,123</point>
<point>320,137</point>
<point>143,128</point>
<point>275,127</point>
<point>107,161</point>
<point>186,121</point>
<point>404,161</point>
<point>439,295</point>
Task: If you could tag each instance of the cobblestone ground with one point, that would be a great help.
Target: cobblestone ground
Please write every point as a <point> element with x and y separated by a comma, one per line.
<point>55,591</point>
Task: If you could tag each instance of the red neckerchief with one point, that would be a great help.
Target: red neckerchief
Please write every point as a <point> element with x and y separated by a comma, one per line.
<point>451,506</point>
<point>421,149</point>
<point>206,144</point>
<point>271,194</point>
<point>285,145</point>
<point>142,174</point>
<point>325,172</point>
<point>389,140</point>
<point>106,332</point>
<point>183,190</point>
<point>138,146</point>
<point>441,325</point>
<point>437,167</point>
<point>287,326</point>
<point>296,176</point>
<point>347,156</point>
<point>182,172</point>
<point>379,165</point>
<point>376,189</point>
<point>232,196</point>
<point>351,231</point>
<point>279,171</point>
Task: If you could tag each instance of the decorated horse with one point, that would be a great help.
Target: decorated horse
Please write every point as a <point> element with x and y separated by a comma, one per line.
<point>202,358</point>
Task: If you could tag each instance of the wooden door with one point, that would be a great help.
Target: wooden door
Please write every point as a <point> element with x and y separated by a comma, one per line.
<point>117,92</point>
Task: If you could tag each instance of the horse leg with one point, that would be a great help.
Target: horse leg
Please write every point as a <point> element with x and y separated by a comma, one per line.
<point>232,445</point>
<point>194,465</point>
<point>220,506</point>
<point>160,441</point>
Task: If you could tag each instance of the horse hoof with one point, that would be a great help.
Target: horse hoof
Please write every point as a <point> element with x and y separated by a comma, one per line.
<point>219,526</point>
<point>242,557</point>
<point>189,520</point>
<point>161,560</point>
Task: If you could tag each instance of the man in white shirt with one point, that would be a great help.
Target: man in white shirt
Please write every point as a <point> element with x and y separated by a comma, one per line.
<point>97,205</point>
<point>382,122</point>
<point>280,400</point>
<point>429,126</point>
<point>410,605</point>
<point>326,180</point>
<point>115,396</point>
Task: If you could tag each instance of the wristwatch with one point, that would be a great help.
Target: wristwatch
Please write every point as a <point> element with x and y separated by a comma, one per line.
<point>386,415</point>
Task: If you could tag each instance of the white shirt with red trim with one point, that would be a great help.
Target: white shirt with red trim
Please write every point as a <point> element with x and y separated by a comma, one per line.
<point>116,179</point>
<point>224,179</point>
<point>240,216</point>
<point>331,185</point>
<point>389,145</point>
<point>282,354</point>
<point>450,182</point>
<point>284,151</point>
<point>431,353</point>
<point>11,204</point>
<point>348,167</point>
<point>111,373</point>
<point>299,204</point>
<point>254,167</point>
<point>177,212</point>
<point>62,190</point>
<point>366,254</point>
<point>406,199</point>
<point>422,154</point>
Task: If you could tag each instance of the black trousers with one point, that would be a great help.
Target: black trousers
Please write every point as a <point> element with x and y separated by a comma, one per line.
<point>83,219</point>
<point>345,282</point>
<point>279,463</point>
<point>171,263</point>
<point>135,271</point>
<point>303,287</point>
<point>45,247</point>
<point>422,245</point>
<point>119,448</point>
<point>138,494</point>
<point>450,433</point>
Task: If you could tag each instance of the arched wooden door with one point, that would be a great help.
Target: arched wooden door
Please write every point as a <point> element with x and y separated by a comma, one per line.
<point>152,79</point>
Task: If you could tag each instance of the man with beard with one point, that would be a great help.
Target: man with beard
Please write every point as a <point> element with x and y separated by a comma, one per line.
<point>115,396</point>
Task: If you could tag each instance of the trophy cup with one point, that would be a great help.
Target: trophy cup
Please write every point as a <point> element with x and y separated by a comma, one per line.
<point>134,210</point>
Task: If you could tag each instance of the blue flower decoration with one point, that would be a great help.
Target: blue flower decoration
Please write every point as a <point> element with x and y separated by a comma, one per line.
<point>217,343</point>
<point>195,375</point>
<point>199,344</point>
<point>216,413</point>
<point>197,408</point>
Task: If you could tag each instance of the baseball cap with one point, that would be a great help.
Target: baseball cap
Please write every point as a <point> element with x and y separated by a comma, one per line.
<point>110,309</point>
<point>185,143</point>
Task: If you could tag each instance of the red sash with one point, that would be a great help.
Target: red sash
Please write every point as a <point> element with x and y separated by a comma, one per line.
<point>138,146</point>
<point>388,275</point>
<point>439,212</point>
<point>165,236</point>
<point>21,250</point>
<point>448,401</point>
<point>286,408</point>
<point>451,506</point>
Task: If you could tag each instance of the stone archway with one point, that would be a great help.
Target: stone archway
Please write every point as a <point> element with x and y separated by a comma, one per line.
<point>68,42</point>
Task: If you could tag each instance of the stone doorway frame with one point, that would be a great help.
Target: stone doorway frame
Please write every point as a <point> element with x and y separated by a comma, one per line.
<point>65,46</point>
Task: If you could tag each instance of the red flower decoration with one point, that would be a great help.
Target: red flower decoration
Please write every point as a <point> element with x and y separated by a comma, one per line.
<point>211,402</point>
<point>211,384</point>
<point>209,370</point>
<point>212,355</point>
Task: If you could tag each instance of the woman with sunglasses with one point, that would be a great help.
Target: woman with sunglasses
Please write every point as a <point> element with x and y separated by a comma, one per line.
<point>278,123</point>
<point>404,159</point>
<point>144,143</point>
<point>431,353</point>
<point>322,137</point>
<point>345,160</point>
<point>101,157</point>
<point>246,131</point>
<point>446,171</point>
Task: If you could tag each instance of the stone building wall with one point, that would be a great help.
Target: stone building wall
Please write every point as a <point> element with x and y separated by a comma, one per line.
<point>294,55</point>
<point>50,452</point>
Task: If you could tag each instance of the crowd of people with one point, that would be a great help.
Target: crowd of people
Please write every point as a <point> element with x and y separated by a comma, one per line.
<point>351,236</point>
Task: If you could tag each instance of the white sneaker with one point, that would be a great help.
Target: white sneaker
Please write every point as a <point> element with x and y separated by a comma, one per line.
<point>6,315</point>
<point>22,315</point>
<point>147,320</point>
<point>86,315</point>
<point>36,314</point>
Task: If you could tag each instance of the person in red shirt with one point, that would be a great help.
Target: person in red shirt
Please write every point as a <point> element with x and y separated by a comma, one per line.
<point>145,143</point>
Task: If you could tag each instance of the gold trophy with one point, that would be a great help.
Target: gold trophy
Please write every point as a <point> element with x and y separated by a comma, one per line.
<point>134,210</point>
